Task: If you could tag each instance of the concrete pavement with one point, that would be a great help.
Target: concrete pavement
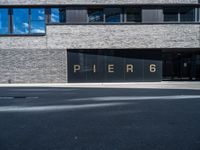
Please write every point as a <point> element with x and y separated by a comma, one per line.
<point>154,85</point>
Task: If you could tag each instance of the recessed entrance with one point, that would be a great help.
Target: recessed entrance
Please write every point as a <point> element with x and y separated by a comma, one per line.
<point>181,65</point>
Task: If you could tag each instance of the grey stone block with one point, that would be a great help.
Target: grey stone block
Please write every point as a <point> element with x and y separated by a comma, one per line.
<point>33,66</point>
<point>83,2</point>
<point>124,36</point>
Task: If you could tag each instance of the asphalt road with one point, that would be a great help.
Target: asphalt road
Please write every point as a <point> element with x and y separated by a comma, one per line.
<point>99,119</point>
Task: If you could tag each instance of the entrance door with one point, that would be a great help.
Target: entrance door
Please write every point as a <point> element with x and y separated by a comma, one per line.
<point>180,66</point>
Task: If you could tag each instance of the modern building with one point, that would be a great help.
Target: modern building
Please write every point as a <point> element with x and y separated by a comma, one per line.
<point>60,41</point>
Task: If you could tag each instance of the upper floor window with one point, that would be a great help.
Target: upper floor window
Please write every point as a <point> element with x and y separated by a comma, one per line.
<point>37,21</point>
<point>187,14</point>
<point>133,15</point>
<point>4,21</point>
<point>183,14</point>
<point>21,21</point>
<point>28,21</point>
<point>58,15</point>
<point>113,14</point>
<point>170,14</point>
<point>95,15</point>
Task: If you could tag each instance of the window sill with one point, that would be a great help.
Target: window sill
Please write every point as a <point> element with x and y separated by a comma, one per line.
<point>124,23</point>
<point>41,34</point>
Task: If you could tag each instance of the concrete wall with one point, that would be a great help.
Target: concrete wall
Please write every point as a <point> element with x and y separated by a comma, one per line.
<point>33,66</point>
<point>54,2</point>
<point>108,36</point>
<point>123,36</point>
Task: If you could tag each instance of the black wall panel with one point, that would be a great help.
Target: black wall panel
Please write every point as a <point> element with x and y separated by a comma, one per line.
<point>76,66</point>
<point>114,65</point>
<point>150,15</point>
<point>133,59</point>
<point>76,15</point>
<point>152,65</point>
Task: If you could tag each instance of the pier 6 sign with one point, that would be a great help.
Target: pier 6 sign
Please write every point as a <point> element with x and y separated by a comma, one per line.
<point>114,65</point>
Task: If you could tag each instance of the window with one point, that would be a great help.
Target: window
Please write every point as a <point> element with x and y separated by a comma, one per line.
<point>58,15</point>
<point>4,21</point>
<point>37,22</point>
<point>113,14</point>
<point>133,15</point>
<point>187,14</point>
<point>171,14</point>
<point>21,21</point>
<point>95,15</point>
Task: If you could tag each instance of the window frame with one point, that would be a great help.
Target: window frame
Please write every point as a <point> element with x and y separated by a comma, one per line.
<point>96,8</point>
<point>50,15</point>
<point>11,21</point>
<point>196,17</point>
<point>194,11</point>
<point>8,13</point>
<point>125,12</point>
<point>178,14</point>
<point>33,20</point>
<point>121,14</point>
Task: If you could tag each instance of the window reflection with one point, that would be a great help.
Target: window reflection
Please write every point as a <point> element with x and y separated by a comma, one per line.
<point>37,20</point>
<point>187,14</point>
<point>113,14</point>
<point>4,27</point>
<point>170,14</point>
<point>20,21</point>
<point>58,15</point>
<point>95,15</point>
<point>133,15</point>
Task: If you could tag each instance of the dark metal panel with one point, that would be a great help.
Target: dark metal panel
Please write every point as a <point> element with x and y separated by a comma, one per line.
<point>76,66</point>
<point>134,65</point>
<point>152,65</point>
<point>150,15</point>
<point>76,15</point>
<point>114,66</point>
<point>95,66</point>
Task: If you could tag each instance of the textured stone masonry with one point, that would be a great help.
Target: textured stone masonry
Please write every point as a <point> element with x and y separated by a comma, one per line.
<point>33,66</point>
<point>108,36</point>
<point>81,2</point>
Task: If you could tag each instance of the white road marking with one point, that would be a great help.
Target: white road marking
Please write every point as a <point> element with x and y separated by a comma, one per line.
<point>54,107</point>
<point>121,98</point>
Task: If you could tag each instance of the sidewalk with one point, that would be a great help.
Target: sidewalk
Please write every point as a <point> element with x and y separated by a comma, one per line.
<point>155,85</point>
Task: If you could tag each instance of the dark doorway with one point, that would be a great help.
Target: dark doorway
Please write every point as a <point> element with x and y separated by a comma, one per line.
<point>184,66</point>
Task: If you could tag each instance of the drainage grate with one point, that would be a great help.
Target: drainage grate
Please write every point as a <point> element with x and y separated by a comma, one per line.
<point>18,97</point>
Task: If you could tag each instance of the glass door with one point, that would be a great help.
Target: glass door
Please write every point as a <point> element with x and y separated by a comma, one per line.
<point>182,66</point>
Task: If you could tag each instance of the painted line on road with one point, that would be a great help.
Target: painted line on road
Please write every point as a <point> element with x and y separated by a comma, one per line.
<point>121,98</point>
<point>54,108</point>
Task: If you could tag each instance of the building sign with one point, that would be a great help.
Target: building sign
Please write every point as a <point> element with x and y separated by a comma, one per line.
<point>114,65</point>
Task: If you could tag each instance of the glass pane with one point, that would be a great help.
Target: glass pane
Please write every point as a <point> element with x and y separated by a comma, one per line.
<point>4,27</point>
<point>20,21</point>
<point>37,14</point>
<point>133,15</point>
<point>187,14</point>
<point>37,20</point>
<point>95,15</point>
<point>171,14</point>
<point>37,27</point>
<point>113,14</point>
<point>58,15</point>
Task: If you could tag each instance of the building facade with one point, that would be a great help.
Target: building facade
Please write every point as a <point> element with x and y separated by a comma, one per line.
<point>61,41</point>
